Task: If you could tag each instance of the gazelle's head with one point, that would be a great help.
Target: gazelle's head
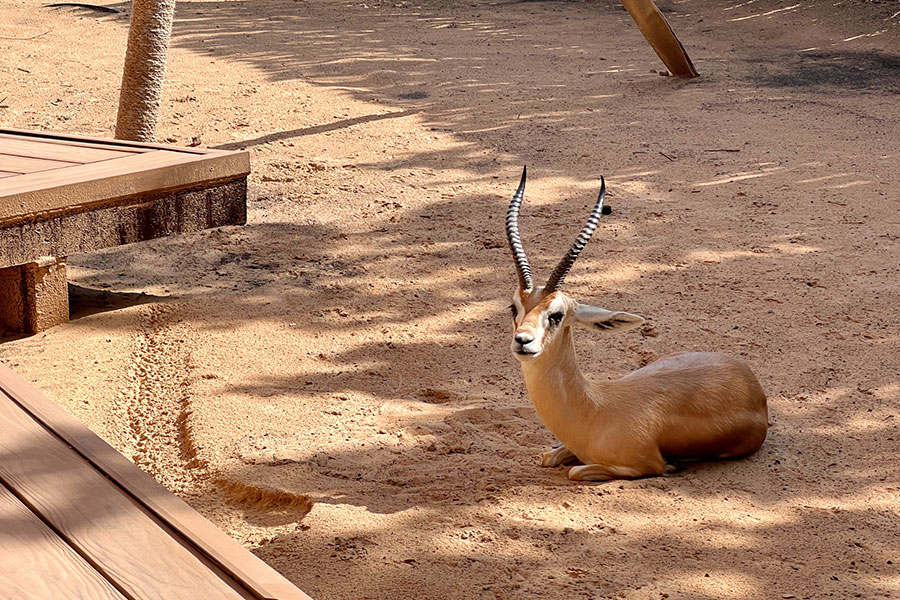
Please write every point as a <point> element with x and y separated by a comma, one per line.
<point>542,314</point>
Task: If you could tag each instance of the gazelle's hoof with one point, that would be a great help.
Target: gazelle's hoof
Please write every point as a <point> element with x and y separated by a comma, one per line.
<point>556,457</point>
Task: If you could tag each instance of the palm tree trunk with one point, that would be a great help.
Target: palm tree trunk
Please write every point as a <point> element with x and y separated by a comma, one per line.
<point>145,69</point>
<point>656,29</point>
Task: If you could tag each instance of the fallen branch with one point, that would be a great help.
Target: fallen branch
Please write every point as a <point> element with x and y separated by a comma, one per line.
<point>34,37</point>
<point>99,7</point>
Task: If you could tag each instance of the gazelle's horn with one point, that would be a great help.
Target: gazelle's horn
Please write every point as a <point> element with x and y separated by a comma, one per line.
<point>515,241</point>
<point>562,269</point>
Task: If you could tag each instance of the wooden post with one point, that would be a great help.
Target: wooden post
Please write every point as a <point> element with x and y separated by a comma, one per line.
<point>656,29</point>
<point>34,296</point>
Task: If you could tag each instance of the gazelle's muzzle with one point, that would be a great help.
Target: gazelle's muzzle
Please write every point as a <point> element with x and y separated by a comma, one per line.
<point>526,343</point>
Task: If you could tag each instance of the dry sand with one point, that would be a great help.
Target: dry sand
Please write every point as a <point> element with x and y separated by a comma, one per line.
<point>331,384</point>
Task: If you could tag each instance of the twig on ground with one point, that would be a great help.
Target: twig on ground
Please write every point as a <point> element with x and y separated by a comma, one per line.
<point>34,37</point>
<point>99,7</point>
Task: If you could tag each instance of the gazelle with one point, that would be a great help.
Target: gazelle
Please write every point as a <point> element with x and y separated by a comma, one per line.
<point>685,406</point>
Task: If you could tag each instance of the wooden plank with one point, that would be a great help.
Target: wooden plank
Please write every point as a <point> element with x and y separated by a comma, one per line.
<point>36,564</point>
<point>116,535</point>
<point>7,174</point>
<point>84,186</point>
<point>256,575</point>
<point>81,153</point>
<point>127,165</point>
<point>67,137</point>
<point>25,164</point>
<point>98,143</point>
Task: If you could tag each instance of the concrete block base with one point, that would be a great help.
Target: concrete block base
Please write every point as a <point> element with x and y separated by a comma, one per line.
<point>34,296</point>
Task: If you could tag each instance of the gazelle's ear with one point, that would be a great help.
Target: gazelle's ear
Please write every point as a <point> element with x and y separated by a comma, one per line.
<point>600,319</point>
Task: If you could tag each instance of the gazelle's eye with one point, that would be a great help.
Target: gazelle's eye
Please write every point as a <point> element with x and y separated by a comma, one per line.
<point>555,319</point>
<point>512,309</point>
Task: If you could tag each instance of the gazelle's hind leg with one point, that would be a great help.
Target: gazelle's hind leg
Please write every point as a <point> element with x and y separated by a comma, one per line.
<point>640,458</point>
<point>648,467</point>
<point>557,456</point>
<point>604,473</point>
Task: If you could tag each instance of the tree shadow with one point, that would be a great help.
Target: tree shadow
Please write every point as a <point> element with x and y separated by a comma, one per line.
<point>845,72</point>
<point>286,135</point>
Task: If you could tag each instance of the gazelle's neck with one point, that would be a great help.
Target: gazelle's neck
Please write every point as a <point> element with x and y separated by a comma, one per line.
<point>559,390</point>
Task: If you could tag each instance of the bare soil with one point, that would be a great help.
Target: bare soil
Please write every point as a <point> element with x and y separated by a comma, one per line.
<point>331,384</point>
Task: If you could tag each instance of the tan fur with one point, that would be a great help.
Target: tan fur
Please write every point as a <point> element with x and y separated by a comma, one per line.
<point>686,406</point>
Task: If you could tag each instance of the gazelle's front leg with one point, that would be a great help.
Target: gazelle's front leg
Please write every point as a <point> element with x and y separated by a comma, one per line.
<point>558,456</point>
<point>606,472</point>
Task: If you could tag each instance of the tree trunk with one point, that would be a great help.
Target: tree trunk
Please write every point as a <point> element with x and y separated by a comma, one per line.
<point>145,69</point>
<point>656,29</point>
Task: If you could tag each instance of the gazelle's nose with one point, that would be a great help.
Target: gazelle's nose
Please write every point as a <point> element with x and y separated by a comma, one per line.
<point>524,338</point>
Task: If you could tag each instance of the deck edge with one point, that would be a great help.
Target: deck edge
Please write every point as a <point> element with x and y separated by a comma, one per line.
<point>85,186</point>
<point>235,560</point>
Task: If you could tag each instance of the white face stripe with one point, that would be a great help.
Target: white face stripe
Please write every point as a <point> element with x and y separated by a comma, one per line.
<point>558,305</point>
<point>520,308</point>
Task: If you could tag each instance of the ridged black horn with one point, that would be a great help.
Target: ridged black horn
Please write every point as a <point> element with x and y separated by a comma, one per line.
<point>523,270</point>
<point>562,269</point>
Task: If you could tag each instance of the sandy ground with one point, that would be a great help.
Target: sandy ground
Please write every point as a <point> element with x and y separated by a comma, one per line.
<point>331,384</point>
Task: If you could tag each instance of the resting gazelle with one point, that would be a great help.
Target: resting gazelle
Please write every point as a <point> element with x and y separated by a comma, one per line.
<point>685,406</point>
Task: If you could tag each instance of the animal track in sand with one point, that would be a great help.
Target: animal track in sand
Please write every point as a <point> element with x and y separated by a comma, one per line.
<point>158,404</point>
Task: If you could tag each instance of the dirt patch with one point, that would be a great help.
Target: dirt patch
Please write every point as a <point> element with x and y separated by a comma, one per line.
<point>331,384</point>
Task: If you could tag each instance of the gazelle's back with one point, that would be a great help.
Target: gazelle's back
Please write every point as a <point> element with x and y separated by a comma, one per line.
<point>704,404</point>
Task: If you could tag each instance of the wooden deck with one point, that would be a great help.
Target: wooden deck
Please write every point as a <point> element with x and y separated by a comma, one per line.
<point>47,180</point>
<point>65,194</point>
<point>79,521</point>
